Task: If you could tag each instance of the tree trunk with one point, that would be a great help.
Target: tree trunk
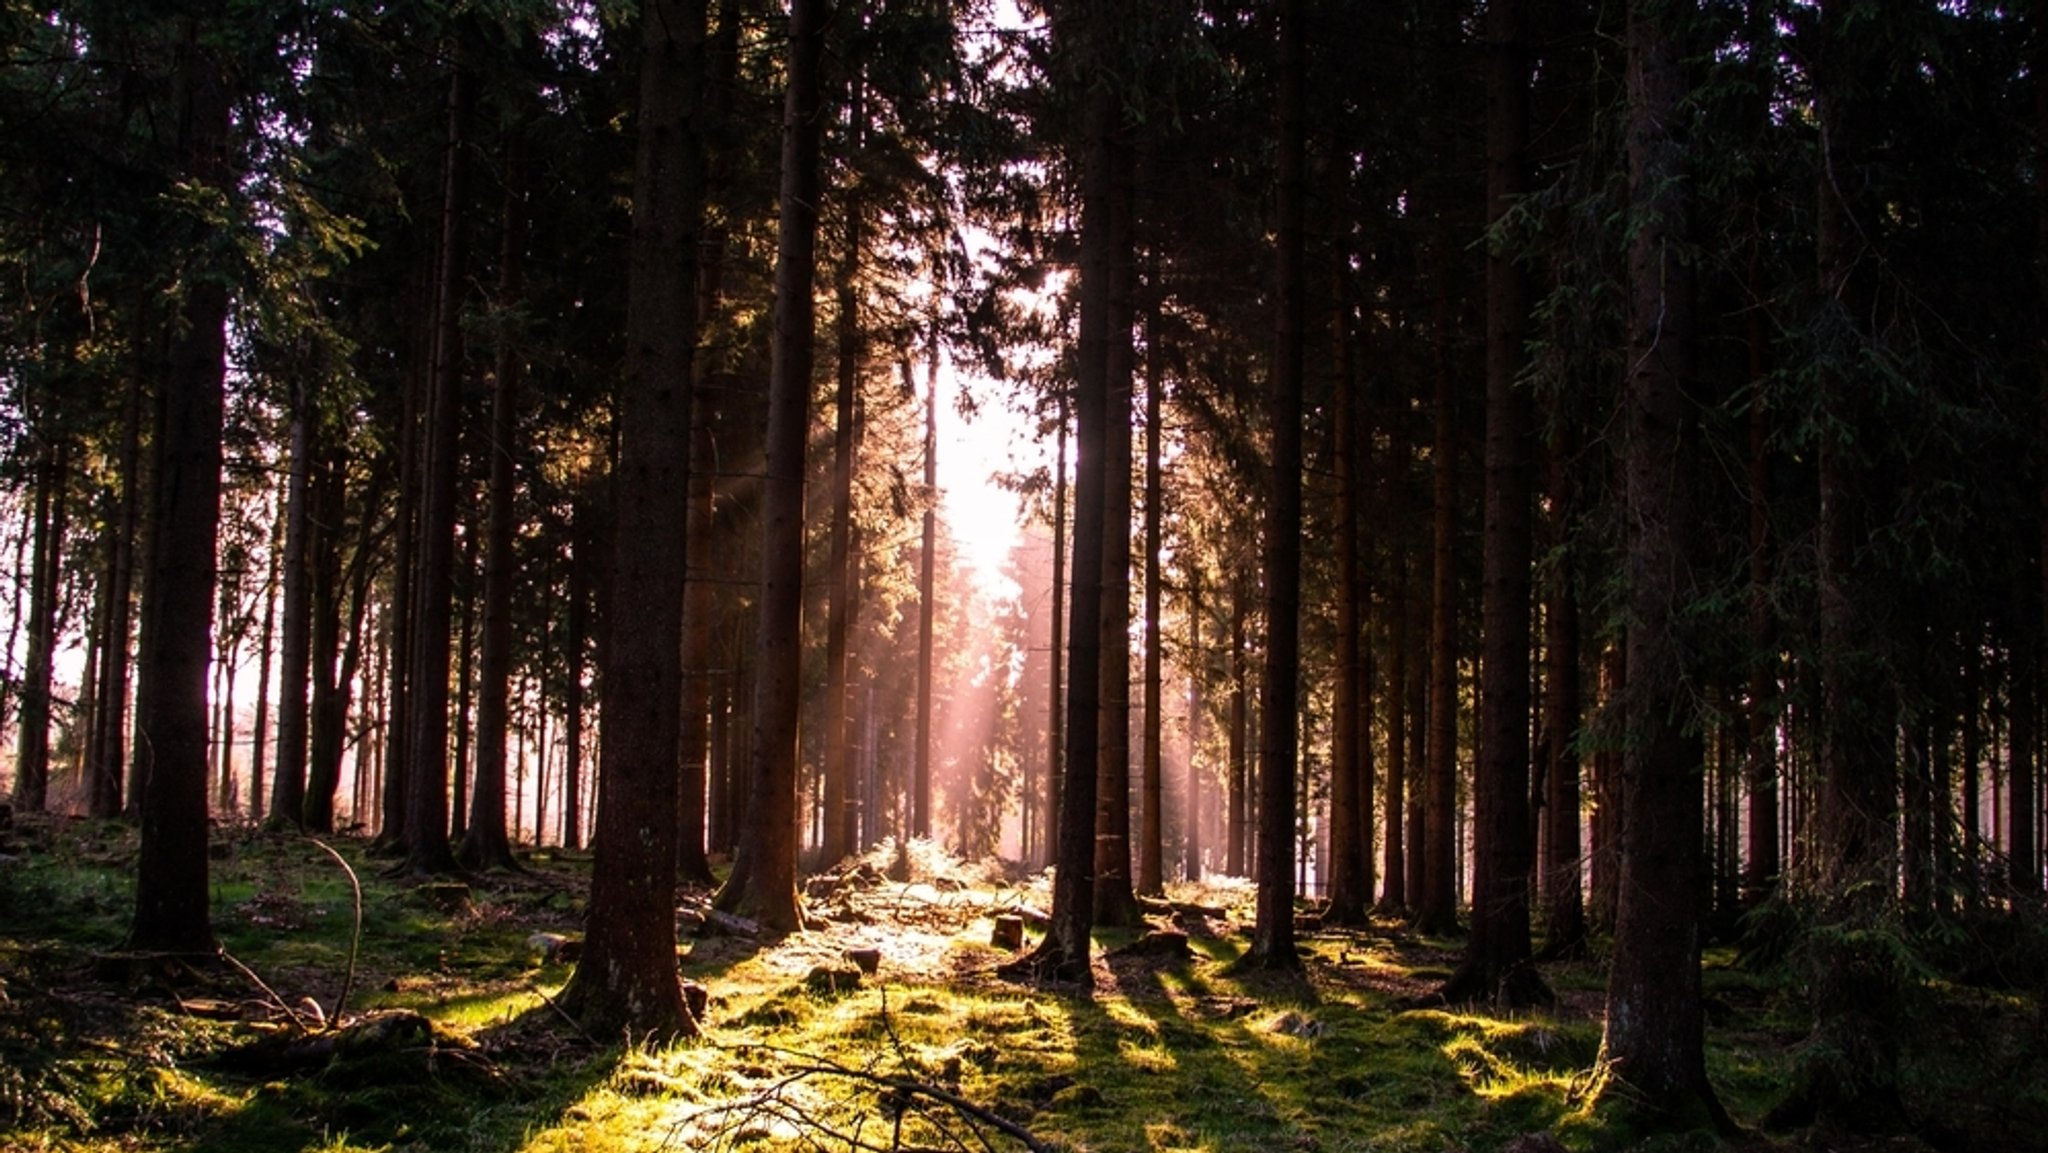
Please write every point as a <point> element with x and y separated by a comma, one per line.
<point>927,605</point>
<point>763,881</point>
<point>1198,665</point>
<point>427,772</point>
<point>1850,1074</point>
<point>840,799</point>
<point>1240,726</point>
<point>1272,943</point>
<point>266,645</point>
<point>1064,953</point>
<point>171,895</point>
<point>1495,964</point>
<point>1350,877</point>
<point>1436,909</point>
<point>1055,740</point>
<point>1563,902</point>
<point>295,659</point>
<point>1115,903</point>
<point>323,727</point>
<point>1762,750</point>
<point>626,979</point>
<point>46,574</point>
<point>1653,1040</point>
<point>1152,830</point>
<point>107,757</point>
<point>486,843</point>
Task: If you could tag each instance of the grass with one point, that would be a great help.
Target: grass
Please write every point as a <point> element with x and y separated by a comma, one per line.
<point>101,1053</point>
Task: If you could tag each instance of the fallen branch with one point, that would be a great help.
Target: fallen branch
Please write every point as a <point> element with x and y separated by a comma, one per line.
<point>298,1024</point>
<point>899,1090</point>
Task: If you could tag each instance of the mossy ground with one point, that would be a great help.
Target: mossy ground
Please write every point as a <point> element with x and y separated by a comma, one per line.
<point>102,1052</point>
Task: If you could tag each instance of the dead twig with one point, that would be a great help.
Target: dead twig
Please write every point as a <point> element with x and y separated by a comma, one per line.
<point>298,1023</point>
<point>355,939</point>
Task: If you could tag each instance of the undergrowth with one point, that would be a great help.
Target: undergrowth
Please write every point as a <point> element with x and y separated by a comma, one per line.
<point>100,1051</point>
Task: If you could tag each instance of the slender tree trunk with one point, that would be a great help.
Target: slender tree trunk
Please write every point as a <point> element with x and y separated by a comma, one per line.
<point>700,606</point>
<point>1064,953</point>
<point>1495,964</point>
<point>1152,830</point>
<point>486,843</point>
<point>927,605</point>
<point>295,661</point>
<point>1272,943</point>
<point>1350,876</point>
<point>391,831</point>
<point>1851,1074</point>
<point>763,881</point>
<point>1197,715</point>
<point>1563,902</point>
<point>1115,903</point>
<point>323,773</point>
<point>1240,727</point>
<point>171,894</point>
<point>626,980</point>
<point>428,850</point>
<point>1436,911</point>
<point>1762,873</point>
<point>1055,740</point>
<point>108,756</point>
<point>1393,870</point>
<point>1654,1037</point>
<point>337,667</point>
<point>46,574</point>
<point>840,799</point>
<point>266,644</point>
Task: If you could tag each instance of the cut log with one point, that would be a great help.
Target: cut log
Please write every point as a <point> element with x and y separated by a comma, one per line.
<point>1008,932</point>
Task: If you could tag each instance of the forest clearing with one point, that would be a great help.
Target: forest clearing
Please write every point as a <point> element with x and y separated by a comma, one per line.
<point>810,1045</point>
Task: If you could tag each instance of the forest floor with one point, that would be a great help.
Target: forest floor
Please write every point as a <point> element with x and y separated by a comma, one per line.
<point>451,1040</point>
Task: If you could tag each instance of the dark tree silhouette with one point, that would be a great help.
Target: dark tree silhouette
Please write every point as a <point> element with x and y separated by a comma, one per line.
<point>626,978</point>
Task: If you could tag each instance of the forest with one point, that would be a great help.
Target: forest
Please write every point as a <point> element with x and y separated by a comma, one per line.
<point>1522,624</point>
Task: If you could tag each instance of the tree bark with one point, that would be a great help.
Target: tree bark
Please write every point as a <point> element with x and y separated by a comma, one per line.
<point>1437,848</point>
<point>107,756</point>
<point>428,850</point>
<point>1272,943</point>
<point>486,843</point>
<point>46,574</point>
<point>763,881</point>
<point>1115,903</point>
<point>1351,789</point>
<point>1495,964</point>
<point>1563,900</point>
<point>1064,953</point>
<point>1653,1041</point>
<point>841,801</point>
<point>1152,829</point>
<point>626,979</point>
<point>927,611</point>
<point>171,894</point>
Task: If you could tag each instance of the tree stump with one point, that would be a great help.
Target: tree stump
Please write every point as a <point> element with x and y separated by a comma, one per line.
<point>1008,932</point>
